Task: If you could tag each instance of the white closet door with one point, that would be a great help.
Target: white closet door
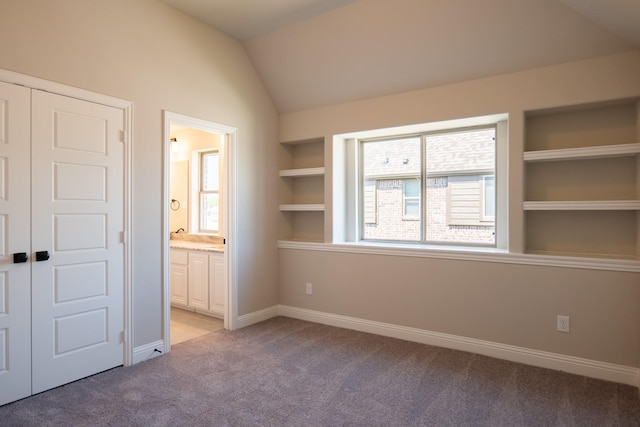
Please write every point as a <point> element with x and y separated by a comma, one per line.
<point>15,229</point>
<point>77,217</point>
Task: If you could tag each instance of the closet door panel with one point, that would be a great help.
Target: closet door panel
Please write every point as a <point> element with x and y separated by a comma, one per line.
<point>15,229</point>
<point>77,217</point>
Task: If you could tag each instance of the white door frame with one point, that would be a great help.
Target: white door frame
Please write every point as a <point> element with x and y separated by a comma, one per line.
<point>229,225</point>
<point>127,108</point>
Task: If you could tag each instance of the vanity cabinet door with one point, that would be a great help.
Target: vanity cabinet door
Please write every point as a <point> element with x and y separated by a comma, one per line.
<point>199,281</point>
<point>179,277</point>
<point>216,284</point>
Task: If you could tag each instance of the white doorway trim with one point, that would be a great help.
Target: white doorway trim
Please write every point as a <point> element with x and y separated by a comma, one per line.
<point>127,108</point>
<point>229,225</point>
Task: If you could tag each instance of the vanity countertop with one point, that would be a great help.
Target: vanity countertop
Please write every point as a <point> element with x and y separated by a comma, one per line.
<point>196,246</point>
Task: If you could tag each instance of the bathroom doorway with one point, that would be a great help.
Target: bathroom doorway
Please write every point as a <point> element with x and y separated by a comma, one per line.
<point>198,227</point>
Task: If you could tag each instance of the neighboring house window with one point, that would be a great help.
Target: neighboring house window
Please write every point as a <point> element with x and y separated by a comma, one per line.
<point>444,181</point>
<point>411,199</point>
<point>209,192</point>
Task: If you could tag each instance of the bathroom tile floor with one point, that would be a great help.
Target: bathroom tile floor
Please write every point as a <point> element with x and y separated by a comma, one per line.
<point>187,325</point>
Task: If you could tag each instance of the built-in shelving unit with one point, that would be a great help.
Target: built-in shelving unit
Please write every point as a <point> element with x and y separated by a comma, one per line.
<point>302,190</point>
<point>582,181</point>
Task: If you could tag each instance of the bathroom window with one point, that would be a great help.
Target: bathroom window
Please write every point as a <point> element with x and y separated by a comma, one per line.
<point>209,192</point>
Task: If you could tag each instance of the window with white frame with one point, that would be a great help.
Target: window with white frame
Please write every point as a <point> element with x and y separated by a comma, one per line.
<point>411,199</point>
<point>432,187</point>
<point>209,192</point>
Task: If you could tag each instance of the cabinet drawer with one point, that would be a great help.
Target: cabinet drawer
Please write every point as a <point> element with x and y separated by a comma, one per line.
<point>179,257</point>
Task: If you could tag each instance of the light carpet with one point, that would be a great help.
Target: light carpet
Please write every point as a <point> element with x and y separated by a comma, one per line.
<point>286,372</point>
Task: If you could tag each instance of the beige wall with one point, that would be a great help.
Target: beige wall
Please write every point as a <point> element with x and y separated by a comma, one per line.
<point>145,52</point>
<point>608,77</point>
<point>505,303</point>
<point>193,140</point>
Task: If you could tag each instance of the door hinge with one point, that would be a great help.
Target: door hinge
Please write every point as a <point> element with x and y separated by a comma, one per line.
<point>121,337</point>
<point>121,136</point>
<point>123,237</point>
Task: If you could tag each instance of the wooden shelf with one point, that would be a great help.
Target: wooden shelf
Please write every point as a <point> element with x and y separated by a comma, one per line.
<point>582,196</point>
<point>302,208</point>
<point>301,190</point>
<point>304,172</point>
<point>595,205</point>
<point>597,152</point>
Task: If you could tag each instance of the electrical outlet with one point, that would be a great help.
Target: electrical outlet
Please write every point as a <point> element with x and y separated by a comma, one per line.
<point>563,323</point>
<point>309,289</point>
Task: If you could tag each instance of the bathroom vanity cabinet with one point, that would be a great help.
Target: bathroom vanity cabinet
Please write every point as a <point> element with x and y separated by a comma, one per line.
<point>197,281</point>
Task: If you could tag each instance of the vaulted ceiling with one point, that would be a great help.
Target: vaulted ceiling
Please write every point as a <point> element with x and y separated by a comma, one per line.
<point>311,53</point>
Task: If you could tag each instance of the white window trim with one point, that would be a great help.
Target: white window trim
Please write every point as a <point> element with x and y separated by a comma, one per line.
<point>422,176</point>
<point>345,183</point>
<point>194,189</point>
<point>466,254</point>
<point>202,192</point>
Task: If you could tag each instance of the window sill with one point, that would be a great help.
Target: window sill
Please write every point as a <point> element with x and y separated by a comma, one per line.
<point>481,254</point>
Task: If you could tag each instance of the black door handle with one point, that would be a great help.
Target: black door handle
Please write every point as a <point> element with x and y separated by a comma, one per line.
<point>42,255</point>
<point>19,257</point>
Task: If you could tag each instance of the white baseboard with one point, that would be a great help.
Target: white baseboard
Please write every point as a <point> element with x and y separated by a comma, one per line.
<point>575,365</point>
<point>148,351</point>
<point>257,316</point>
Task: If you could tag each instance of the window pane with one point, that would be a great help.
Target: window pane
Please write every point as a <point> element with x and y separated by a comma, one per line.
<point>456,163</point>
<point>210,173</point>
<point>209,211</point>
<point>462,151</point>
<point>411,188</point>
<point>391,163</point>
<point>412,208</point>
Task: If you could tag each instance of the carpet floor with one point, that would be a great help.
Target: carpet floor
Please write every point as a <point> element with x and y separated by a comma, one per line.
<point>286,372</point>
